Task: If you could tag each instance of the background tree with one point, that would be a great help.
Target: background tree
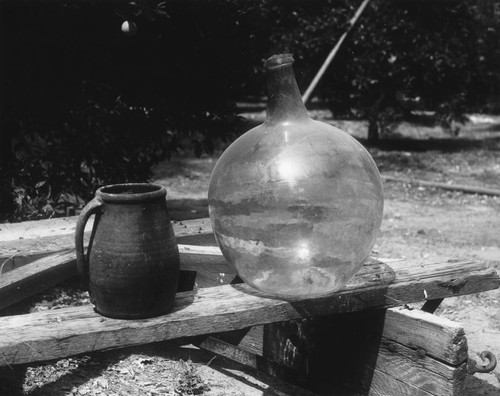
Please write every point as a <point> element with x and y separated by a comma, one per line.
<point>83,104</point>
<point>402,56</point>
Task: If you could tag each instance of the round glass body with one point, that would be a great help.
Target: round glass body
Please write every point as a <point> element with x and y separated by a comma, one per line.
<point>295,204</point>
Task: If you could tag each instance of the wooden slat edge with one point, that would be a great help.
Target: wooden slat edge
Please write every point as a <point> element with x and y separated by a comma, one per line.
<point>22,243</point>
<point>430,335</point>
<point>424,372</point>
<point>35,277</point>
<point>381,382</point>
<point>68,331</point>
<point>36,230</point>
<point>394,363</point>
<point>435,336</point>
<point>214,270</point>
<point>49,271</point>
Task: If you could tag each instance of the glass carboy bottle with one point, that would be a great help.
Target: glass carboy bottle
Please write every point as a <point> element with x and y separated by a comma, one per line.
<point>295,204</point>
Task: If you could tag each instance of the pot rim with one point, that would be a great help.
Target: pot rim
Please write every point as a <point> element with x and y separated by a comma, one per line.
<point>131,192</point>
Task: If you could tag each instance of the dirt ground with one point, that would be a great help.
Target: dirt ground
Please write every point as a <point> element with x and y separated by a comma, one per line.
<point>419,222</point>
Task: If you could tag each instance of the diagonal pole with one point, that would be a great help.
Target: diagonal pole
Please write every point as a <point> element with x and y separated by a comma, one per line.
<point>333,52</point>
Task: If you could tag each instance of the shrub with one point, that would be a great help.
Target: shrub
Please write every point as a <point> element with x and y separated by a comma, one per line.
<point>85,105</point>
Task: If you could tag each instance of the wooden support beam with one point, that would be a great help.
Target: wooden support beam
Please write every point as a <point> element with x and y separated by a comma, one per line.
<point>22,243</point>
<point>49,271</point>
<point>381,352</point>
<point>40,236</point>
<point>213,270</point>
<point>434,336</point>
<point>35,277</point>
<point>63,332</point>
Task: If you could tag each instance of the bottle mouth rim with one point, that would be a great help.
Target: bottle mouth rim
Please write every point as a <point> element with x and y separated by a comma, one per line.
<point>278,60</point>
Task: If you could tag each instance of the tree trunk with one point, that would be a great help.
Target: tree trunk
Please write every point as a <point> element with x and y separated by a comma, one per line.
<point>374,118</point>
<point>373,129</point>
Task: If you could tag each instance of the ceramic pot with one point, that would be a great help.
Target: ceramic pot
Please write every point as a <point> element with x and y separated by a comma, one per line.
<point>132,264</point>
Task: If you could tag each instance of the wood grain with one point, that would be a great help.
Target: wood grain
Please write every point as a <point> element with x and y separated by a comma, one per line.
<point>431,279</point>
<point>426,373</point>
<point>22,243</point>
<point>382,384</point>
<point>64,332</point>
<point>439,338</point>
<point>35,277</point>
<point>394,352</point>
<point>416,353</point>
<point>51,270</point>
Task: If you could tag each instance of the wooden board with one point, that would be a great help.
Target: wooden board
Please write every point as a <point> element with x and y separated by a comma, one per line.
<point>22,243</point>
<point>433,336</point>
<point>50,229</point>
<point>40,237</point>
<point>216,306</point>
<point>425,279</point>
<point>63,332</point>
<point>408,352</point>
<point>35,277</point>
<point>48,271</point>
<point>458,276</point>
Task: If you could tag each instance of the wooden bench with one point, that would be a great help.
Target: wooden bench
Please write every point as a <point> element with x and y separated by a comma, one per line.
<point>362,340</point>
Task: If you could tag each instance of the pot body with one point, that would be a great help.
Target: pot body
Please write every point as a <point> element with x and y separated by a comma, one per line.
<point>132,267</point>
<point>296,206</point>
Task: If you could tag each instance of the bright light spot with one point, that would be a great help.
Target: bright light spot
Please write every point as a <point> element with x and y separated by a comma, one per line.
<point>289,170</point>
<point>303,251</point>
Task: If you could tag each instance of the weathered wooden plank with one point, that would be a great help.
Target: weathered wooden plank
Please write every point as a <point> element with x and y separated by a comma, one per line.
<point>63,332</point>
<point>435,336</point>
<point>424,372</point>
<point>256,361</point>
<point>430,335</point>
<point>230,351</point>
<point>397,370</point>
<point>250,360</point>
<point>377,356</point>
<point>382,384</point>
<point>22,243</point>
<point>437,278</point>
<point>36,229</point>
<point>48,271</point>
<point>35,277</point>
<point>194,231</point>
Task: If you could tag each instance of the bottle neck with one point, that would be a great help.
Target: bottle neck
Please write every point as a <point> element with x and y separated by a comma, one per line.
<point>284,101</point>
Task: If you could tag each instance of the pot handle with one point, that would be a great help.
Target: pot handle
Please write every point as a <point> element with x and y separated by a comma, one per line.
<point>93,207</point>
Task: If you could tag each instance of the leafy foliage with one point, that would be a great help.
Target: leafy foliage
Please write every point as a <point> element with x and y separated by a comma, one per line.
<point>190,381</point>
<point>84,104</point>
<point>402,56</point>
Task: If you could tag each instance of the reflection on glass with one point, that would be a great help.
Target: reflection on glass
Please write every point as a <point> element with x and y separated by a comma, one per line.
<point>295,204</point>
<point>303,252</point>
<point>290,170</point>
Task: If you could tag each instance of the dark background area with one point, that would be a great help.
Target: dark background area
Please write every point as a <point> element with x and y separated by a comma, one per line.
<point>83,104</point>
